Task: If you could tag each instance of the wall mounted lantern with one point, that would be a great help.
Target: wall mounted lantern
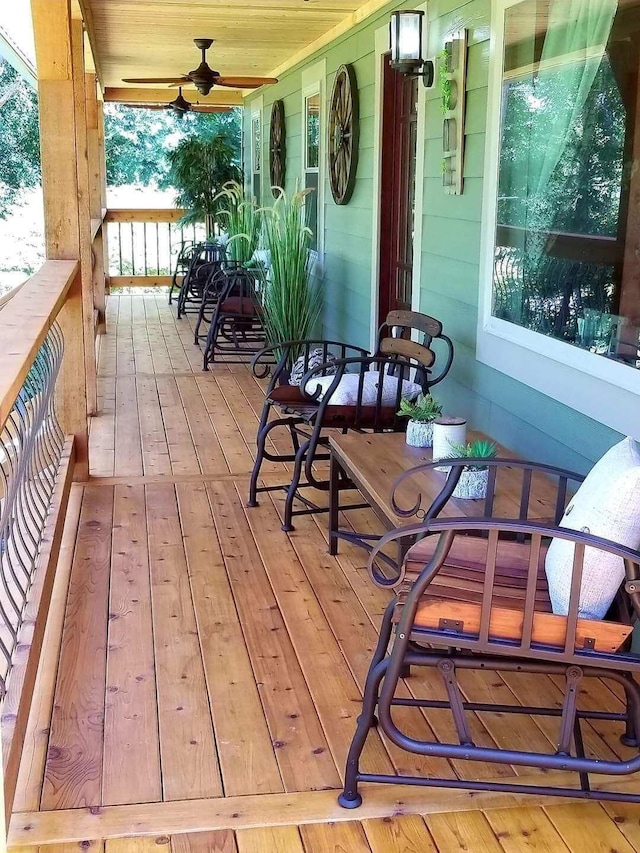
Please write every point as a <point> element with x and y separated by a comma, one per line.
<point>405,43</point>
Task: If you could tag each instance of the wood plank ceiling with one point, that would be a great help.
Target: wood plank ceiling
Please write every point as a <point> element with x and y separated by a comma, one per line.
<point>154,38</point>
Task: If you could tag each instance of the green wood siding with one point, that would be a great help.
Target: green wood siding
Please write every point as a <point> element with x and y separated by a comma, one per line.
<point>533,424</point>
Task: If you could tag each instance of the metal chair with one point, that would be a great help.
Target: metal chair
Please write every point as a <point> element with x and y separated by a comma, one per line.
<point>212,291</point>
<point>206,258</point>
<point>187,247</point>
<point>305,418</point>
<point>236,330</point>
<point>472,594</point>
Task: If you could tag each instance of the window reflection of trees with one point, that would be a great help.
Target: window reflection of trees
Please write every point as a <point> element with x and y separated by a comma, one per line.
<point>559,251</point>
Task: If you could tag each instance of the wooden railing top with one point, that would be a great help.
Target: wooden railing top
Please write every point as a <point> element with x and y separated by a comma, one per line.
<point>143,214</point>
<point>8,296</point>
<point>24,323</point>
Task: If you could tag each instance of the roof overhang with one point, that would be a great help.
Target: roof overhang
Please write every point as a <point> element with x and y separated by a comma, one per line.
<point>10,51</point>
<point>254,38</point>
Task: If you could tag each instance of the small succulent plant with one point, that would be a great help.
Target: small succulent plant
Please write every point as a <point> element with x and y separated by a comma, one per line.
<point>424,410</point>
<point>481,448</point>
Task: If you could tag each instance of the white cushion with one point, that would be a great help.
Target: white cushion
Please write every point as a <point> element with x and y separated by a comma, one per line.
<point>346,392</point>
<point>607,504</point>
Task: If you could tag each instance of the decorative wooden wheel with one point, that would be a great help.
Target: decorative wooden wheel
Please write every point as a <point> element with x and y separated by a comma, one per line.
<point>344,134</point>
<point>277,147</point>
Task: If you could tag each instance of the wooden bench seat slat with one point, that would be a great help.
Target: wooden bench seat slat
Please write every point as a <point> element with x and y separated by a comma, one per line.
<point>454,597</point>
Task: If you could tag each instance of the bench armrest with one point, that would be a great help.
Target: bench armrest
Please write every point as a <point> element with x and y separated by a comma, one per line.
<point>560,476</point>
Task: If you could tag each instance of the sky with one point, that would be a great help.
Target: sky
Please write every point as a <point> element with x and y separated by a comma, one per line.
<point>15,22</point>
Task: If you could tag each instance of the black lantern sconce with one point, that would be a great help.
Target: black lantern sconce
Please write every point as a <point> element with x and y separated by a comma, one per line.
<point>405,42</point>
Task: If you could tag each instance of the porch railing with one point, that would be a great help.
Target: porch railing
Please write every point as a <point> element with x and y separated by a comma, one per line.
<point>36,468</point>
<point>144,245</point>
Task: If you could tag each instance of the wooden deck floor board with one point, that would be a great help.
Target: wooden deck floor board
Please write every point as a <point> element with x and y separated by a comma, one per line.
<point>245,748</point>
<point>301,746</point>
<point>206,654</point>
<point>187,745</point>
<point>131,746</point>
<point>73,775</point>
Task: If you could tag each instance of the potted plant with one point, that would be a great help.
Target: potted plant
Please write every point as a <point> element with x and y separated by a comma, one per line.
<point>421,413</point>
<point>198,168</point>
<point>291,302</point>
<point>240,217</point>
<point>474,479</point>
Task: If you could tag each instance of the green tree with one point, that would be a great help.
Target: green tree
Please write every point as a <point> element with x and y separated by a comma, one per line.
<point>200,166</point>
<point>19,138</point>
<point>138,141</point>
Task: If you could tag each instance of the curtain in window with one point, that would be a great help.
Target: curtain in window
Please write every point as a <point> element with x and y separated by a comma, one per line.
<point>576,39</point>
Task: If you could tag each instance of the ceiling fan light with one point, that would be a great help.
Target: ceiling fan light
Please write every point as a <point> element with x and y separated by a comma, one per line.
<point>204,88</point>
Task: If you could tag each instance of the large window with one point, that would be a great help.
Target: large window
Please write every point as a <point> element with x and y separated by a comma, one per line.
<point>566,249</point>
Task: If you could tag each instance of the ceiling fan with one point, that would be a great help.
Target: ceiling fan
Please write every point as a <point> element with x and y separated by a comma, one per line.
<point>180,106</point>
<point>205,78</point>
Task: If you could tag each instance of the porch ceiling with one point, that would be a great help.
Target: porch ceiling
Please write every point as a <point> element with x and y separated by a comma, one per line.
<point>149,38</point>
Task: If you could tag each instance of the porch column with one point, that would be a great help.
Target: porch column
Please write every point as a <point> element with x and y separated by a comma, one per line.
<point>63,165</point>
<point>95,153</point>
<point>102,162</point>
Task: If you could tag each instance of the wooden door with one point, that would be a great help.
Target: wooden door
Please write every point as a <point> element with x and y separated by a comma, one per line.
<point>397,196</point>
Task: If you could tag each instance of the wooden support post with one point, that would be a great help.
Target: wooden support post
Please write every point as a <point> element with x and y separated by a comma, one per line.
<point>84,207</point>
<point>95,195</point>
<point>63,235</point>
<point>102,159</point>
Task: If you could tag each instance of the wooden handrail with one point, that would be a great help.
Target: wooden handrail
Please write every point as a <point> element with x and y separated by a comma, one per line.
<point>24,323</point>
<point>10,294</point>
<point>144,214</point>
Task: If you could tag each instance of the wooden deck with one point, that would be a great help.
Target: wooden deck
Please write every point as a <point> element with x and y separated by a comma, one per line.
<point>203,670</point>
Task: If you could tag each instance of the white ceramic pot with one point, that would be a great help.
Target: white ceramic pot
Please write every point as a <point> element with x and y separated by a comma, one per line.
<point>472,485</point>
<point>420,433</point>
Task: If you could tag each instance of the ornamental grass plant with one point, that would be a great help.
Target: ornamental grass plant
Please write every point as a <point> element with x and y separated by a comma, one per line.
<point>291,301</point>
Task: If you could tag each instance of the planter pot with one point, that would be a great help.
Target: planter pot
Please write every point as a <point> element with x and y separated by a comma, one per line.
<point>472,485</point>
<point>419,433</point>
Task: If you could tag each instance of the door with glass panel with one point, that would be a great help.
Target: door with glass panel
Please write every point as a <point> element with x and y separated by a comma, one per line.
<point>397,195</point>
<point>312,167</point>
<point>256,156</point>
<point>566,258</point>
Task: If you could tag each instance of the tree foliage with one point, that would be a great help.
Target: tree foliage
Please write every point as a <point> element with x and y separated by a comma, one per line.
<point>19,138</point>
<point>139,142</point>
<point>199,167</point>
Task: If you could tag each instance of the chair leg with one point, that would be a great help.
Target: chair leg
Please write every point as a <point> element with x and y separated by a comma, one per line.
<point>632,723</point>
<point>261,440</point>
<point>209,347</point>
<point>196,333</point>
<point>287,524</point>
<point>350,798</point>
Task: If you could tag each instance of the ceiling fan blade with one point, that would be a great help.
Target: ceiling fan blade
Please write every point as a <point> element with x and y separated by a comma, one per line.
<point>176,80</point>
<point>146,106</point>
<point>206,109</point>
<point>245,82</point>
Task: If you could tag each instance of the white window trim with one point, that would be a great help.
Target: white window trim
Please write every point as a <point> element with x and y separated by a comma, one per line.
<point>598,387</point>
<point>382,47</point>
<point>256,113</point>
<point>314,82</point>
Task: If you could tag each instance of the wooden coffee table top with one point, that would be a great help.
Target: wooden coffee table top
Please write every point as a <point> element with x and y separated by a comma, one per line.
<point>375,461</point>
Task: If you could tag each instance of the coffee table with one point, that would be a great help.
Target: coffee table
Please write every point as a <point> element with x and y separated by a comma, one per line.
<point>373,462</point>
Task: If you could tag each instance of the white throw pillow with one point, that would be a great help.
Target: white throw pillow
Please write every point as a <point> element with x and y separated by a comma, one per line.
<point>346,392</point>
<point>607,504</point>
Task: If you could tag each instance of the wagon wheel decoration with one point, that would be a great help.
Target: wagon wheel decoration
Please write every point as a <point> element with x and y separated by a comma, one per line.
<point>277,147</point>
<point>344,134</point>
